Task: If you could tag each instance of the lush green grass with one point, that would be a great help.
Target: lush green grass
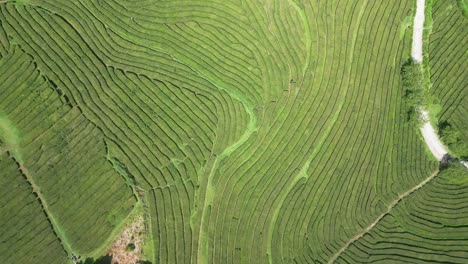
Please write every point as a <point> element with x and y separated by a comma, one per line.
<point>258,131</point>
<point>10,135</point>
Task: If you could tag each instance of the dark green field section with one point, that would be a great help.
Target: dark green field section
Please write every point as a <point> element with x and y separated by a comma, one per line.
<point>266,131</point>
<point>62,154</point>
<point>429,227</point>
<point>448,62</point>
<point>26,235</point>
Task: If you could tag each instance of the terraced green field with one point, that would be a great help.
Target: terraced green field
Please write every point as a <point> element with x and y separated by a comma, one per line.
<point>448,62</point>
<point>27,235</point>
<point>430,226</point>
<point>61,155</point>
<point>266,131</point>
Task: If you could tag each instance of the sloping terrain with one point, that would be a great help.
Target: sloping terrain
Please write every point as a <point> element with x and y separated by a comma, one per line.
<point>428,227</point>
<point>61,155</point>
<point>266,131</point>
<point>26,235</point>
<point>448,62</point>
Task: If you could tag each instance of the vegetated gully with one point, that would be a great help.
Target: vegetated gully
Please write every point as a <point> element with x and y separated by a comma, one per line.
<point>432,140</point>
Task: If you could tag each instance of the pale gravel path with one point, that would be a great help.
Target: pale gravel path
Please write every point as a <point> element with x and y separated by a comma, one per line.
<point>430,136</point>
<point>438,149</point>
<point>418,30</point>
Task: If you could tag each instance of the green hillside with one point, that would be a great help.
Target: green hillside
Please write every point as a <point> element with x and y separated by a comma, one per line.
<point>266,131</point>
<point>448,61</point>
<point>428,227</point>
<point>62,155</point>
<point>26,233</point>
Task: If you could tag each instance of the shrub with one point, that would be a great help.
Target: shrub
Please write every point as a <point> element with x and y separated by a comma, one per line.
<point>453,139</point>
<point>413,92</point>
<point>130,247</point>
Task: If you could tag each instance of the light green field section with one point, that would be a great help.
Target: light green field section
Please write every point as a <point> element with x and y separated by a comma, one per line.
<point>26,235</point>
<point>9,136</point>
<point>428,227</point>
<point>448,62</point>
<point>62,155</point>
<point>267,131</point>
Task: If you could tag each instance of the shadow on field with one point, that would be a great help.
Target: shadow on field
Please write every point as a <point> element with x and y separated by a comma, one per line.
<point>107,260</point>
<point>101,260</point>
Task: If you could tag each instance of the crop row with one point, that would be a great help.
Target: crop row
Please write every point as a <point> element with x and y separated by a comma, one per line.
<point>65,156</point>
<point>448,62</point>
<point>26,235</point>
<point>160,131</point>
<point>429,226</point>
<point>261,130</point>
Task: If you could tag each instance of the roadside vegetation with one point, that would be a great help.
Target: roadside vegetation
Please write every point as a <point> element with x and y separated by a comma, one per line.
<point>454,139</point>
<point>414,93</point>
<point>447,63</point>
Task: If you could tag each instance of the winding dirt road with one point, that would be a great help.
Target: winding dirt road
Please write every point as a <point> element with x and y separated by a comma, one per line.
<point>438,149</point>
<point>430,136</point>
<point>436,146</point>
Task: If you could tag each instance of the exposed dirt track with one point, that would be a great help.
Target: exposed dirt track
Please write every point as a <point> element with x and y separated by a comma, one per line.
<point>127,248</point>
<point>436,146</point>
<point>430,136</point>
<point>432,140</point>
<point>418,30</point>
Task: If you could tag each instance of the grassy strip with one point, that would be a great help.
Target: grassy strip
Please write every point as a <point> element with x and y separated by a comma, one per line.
<point>463,5</point>
<point>210,189</point>
<point>10,136</point>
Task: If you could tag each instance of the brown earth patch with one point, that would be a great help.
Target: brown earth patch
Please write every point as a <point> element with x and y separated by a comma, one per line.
<point>128,247</point>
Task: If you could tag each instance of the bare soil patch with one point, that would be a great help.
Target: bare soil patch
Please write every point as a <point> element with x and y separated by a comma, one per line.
<point>128,247</point>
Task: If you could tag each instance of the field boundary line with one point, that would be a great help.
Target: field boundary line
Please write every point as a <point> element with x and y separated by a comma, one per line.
<point>54,223</point>
<point>381,216</point>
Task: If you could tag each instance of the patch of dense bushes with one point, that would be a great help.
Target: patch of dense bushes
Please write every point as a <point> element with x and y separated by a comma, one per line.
<point>463,6</point>
<point>413,91</point>
<point>453,138</point>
